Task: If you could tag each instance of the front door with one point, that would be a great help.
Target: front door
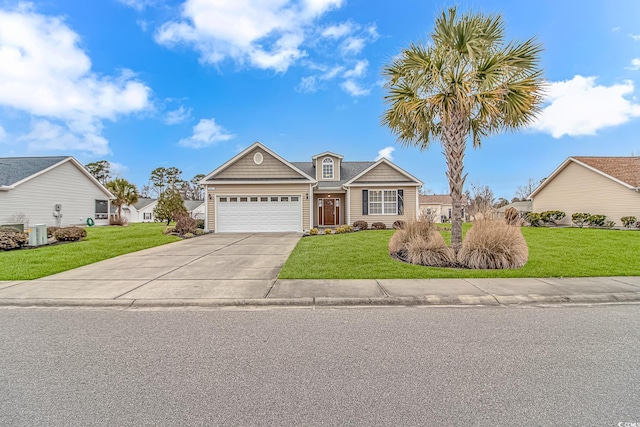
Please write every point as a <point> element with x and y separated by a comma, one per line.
<point>329,212</point>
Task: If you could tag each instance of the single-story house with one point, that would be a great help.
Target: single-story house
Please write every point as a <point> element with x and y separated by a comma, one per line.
<point>597,185</point>
<point>257,190</point>
<point>438,207</point>
<point>195,208</point>
<point>141,211</point>
<point>51,190</point>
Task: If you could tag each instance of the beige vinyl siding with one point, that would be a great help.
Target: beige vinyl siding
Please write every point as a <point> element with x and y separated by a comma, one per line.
<point>382,173</point>
<point>578,189</point>
<point>258,190</point>
<point>438,210</point>
<point>65,185</point>
<point>269,168</point>
<point>336,168</point>
<point>355,206</point>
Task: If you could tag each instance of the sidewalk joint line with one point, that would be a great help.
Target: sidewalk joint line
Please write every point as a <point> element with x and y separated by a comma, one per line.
<point>482,290</point>
<point>384,291</point>
<point>269,291</point>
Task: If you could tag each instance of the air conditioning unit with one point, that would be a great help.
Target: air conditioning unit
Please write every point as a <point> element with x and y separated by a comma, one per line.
<point>58,207</point>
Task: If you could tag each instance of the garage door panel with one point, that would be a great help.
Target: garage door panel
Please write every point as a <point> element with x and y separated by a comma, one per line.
<point>251,213</point>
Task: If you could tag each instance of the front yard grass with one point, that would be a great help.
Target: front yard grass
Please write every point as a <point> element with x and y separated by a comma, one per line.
<point>101,243</point>
<point>553,252</point>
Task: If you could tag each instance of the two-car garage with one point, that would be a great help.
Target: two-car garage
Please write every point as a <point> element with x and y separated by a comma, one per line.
<point>258,213</point>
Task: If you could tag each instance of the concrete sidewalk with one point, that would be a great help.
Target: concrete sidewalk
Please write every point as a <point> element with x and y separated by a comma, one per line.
<point>134,293</point>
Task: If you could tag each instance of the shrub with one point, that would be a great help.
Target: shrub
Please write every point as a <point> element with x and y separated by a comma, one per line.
<point>362,225</point>
<point>169,230</point>
<point>51,230</point>
<point>512,216</point>
<point>200,224</point>
<point>493,245</point>
<point>185,224</point>
<point>552,217</point>
<point>189,235</point>
<point>199,232</point>
<point>638,224</point>
<point>12,239</point>
<point>118,220</point>
<point>419,242</point>
<point>378,226</point>
<point>596,220</point>
<point>609,224</point>
<point>344,229</point>
<point>328,231</point>
<point>398,224</point>
<point>580,218</point>
<point>533,219</point>
<point>69,234</point>
<point>313,232</point>
<point>628,221</point>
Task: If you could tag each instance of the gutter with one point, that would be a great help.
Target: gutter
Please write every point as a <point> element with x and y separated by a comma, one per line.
<point>6,187</point>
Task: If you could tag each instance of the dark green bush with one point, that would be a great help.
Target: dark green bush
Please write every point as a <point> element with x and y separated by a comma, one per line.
<point>533,219</point>
<point>552,217</point>
<point>597,220</point>
<point>378,226</point>
<point>628,221</point>
<point>200,224</point>
<point>69,234</point>
<point>12,239</point>
<point>362,225</point>
<point>580,218</point>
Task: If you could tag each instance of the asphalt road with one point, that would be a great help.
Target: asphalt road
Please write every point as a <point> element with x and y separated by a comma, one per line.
<point>360,366</point>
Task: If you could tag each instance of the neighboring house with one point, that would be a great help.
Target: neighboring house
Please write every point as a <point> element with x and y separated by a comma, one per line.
<point>438,207</point>
<point>597,185</point>
<point>51,190</point>
<point>141,211</point>
<point>195,208</point>
<point>523,208</point>
<point>258,190</point>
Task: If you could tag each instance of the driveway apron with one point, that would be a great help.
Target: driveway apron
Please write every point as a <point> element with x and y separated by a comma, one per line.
<point>233,265</point>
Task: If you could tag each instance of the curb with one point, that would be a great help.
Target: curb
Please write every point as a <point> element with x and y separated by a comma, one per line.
<point>428,300</point>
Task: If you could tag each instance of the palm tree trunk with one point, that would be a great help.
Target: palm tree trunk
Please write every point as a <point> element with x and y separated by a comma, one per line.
<point>454,140</point>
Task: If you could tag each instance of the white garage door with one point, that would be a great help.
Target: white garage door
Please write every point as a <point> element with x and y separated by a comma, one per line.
<point>259,213</point>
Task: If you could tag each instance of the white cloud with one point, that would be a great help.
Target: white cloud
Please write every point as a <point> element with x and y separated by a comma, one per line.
<point>338,31</point>
<point>636,37</point>
<point>353,88</point>
<point>307,85</point>
<point>138,4</point>
<point>331,73</point>
<point>265,34</point>
<point>178,116</point>
<point>358,70</point>
<point>118,169</point>
<point>352,46</point>
<point>386,153</point>
<point>635,64</point>
<point>580,107</point>
<point>45,74</point>
<point>206,132</point>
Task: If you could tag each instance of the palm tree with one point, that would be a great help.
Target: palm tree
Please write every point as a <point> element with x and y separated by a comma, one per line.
<point>124,192</point>
<point>466,83</point>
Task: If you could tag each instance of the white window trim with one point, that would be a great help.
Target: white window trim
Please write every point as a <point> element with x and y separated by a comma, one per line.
<point>382,202</point>
<point>328,161</point>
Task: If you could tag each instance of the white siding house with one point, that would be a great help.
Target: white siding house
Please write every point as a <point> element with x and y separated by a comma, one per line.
<point>141,211</point>
<point>52,191</point>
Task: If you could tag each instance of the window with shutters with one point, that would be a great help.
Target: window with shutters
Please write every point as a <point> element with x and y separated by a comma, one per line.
<point>383,202</point>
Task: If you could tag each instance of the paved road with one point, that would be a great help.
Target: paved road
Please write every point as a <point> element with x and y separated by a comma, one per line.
<point>486,366</point>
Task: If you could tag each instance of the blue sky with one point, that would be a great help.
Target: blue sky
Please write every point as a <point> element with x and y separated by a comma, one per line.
<point>190,83</point>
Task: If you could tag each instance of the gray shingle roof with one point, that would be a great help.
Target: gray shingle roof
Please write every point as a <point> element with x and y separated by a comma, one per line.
<point>142,202</point>
<point>15,169</point>
<point>192,204</point>
<point>348,171</point>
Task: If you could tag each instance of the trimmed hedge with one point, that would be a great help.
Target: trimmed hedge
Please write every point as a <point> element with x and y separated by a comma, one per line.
<point>11,238</point>
<point>69,234</point>
<point>378,226</point>
<point>362,225</point>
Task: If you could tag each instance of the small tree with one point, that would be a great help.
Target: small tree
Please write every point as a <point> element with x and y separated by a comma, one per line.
<point>628,221</point>
<point>170,206</point>
<point>100,170</point>
<point>125,194</point>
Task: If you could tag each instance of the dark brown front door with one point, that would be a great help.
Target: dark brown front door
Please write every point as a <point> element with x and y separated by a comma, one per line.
<point>329,212</point>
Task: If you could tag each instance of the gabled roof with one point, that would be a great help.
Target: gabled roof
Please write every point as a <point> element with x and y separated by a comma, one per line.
<point>348,170</point>
<point>387,162</point>
<point>143,202</point>
<point>209,178</point>
<point>623,170</point>
<point>327,153</point>
<point>15,171</point>
<point>193,204</point>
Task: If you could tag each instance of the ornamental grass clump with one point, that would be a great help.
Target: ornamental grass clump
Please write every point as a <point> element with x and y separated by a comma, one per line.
<point>419,242</point>
<point>493,245</point>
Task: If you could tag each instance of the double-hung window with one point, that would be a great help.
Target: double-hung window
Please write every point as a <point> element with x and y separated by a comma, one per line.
<point>383,202</point>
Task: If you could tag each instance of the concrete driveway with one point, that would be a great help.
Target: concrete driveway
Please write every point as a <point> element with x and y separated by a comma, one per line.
<point>238,265</point>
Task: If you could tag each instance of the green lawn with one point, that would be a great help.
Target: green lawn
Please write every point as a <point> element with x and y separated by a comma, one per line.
<point>553,252</point>
<point>101,243</point>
